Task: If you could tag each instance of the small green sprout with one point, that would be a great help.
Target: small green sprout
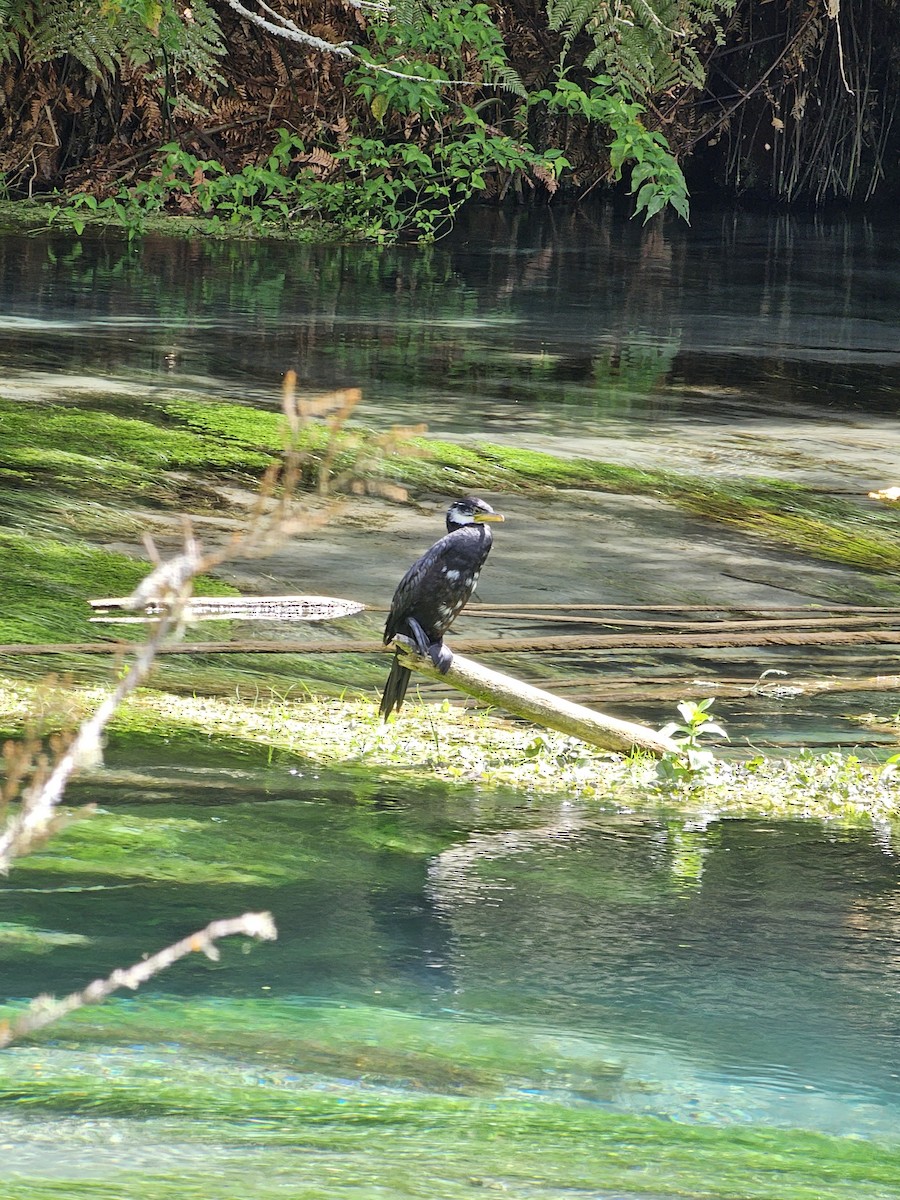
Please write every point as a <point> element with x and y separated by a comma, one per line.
<point>691,761</point>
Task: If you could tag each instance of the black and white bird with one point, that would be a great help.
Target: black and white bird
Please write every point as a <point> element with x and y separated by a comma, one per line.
<point>434,591</point>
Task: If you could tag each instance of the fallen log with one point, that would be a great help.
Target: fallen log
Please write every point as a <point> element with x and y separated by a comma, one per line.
<point>499,645</point>
<point>534,704</point>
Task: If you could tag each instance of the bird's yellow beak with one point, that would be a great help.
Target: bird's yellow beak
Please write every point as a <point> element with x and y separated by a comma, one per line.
<point>481,517</point>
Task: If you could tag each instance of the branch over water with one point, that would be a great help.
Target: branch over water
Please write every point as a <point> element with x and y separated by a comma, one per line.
<point>45,1010</point>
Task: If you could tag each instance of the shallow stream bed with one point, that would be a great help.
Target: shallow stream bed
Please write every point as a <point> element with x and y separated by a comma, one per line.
<point>474,991</point>
<point>470,991</point>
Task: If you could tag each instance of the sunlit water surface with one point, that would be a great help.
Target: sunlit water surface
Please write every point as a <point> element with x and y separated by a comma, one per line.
<point>740,974</point>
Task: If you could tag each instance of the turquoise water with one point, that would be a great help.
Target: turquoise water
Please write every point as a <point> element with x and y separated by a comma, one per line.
<point>470,990</point>
<point>740,973</point>
<point>478,991</point>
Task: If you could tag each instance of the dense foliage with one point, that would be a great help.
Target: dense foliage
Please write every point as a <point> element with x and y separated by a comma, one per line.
<point>385,120</point>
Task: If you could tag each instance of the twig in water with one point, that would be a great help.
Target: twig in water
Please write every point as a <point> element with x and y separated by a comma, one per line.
<point>45,1010</point>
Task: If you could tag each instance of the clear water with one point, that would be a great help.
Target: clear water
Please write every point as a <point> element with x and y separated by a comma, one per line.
<point>453,959</point>
<point>743,346</point>
<point>547,320</point>
<point>455,944</point>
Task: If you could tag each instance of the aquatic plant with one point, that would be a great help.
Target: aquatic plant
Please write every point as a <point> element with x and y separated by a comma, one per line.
<point>693,761</point>
<point>38,775</point>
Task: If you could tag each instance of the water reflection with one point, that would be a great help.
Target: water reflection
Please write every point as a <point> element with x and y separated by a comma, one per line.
<point>737,949</point>
<point>511,317</point>
<point>739,971</point>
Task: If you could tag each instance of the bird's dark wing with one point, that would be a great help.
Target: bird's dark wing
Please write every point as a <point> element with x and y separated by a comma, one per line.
<point>416,583</point>
<point>438,585</point>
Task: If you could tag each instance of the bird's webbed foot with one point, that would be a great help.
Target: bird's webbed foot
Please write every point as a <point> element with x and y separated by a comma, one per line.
<point>441,656</point>
<point>419,637</point>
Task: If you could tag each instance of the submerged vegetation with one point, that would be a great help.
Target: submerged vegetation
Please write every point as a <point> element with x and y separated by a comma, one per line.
<point>144,460</point>
<point>336,818</point>
<point>360,1092</point>
<point>134,473</point>
<point>473,748</point>
<point>330,1137</point>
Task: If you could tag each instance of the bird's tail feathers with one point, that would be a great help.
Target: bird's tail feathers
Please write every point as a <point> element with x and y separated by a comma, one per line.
<point>395,688</point>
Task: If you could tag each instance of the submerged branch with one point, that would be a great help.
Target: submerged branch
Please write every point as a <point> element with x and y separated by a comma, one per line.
<point>231,608</point>
<point>45,1010</point>
<point>531,645</point>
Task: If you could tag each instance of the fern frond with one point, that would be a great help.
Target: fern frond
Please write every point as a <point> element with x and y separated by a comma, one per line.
<point>650,45</point>
<point>507,79</point>
<point>410,12</point>
<point>317,157</point>
<point>16,22</point>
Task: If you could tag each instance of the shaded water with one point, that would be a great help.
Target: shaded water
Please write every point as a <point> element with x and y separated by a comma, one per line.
<point>557,321</point>
<point>474,990</point>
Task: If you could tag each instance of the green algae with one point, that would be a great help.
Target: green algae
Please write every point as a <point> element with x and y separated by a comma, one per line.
<point>237,847</point>
<point>106,458</point>
<point>75,447</point>
<point>792,515</point>
<point>789,514</point>
<point>178,453</point>
<point>234,425</point>
<point>142,834</point>
<point>362,1100</point>
<point>371,1044</point>
<point>16,940</point>
<point>436,745</point>
<point>46,582</point>
<point>310,1136</point>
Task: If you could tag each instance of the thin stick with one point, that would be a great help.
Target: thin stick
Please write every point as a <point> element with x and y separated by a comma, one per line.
<point>37,815</point>
<point>45,1010</point>
<point>819,638</point>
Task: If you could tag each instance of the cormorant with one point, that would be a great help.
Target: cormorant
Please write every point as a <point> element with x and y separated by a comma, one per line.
<point>434,591</point>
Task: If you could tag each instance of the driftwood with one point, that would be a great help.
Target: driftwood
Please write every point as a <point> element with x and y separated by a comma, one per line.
<point>228,608</point>
<point>524,700</point>
<point>822,626</point>
<point>642,689</point>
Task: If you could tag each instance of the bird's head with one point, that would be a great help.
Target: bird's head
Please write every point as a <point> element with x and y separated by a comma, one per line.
<point>470,511</point>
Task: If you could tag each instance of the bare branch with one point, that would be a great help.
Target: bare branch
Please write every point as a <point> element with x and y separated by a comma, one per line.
<point>834,13</point>
<point>534,704</point>
<point>291,32</point>
<point>286,28</point>
<point>45,1010</point>
<point>37,816</point>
